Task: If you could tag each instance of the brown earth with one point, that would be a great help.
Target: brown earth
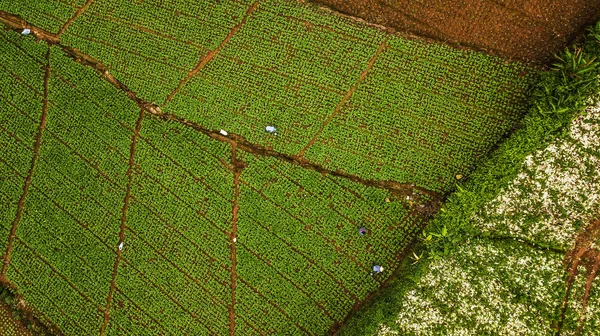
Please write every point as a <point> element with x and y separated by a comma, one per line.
<point>525,30</point>
<point>587,254</point>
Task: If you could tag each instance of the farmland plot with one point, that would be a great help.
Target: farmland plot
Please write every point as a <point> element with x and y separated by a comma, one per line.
<point>343,95</point>
<point>142,223</point>
<point>215,239</point>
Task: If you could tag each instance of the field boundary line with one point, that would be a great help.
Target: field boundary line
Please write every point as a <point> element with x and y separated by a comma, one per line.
<point>36,151</point>
<point>16,23</point>
<point>237,168</point>
<point>73,18</point>
<point>123,219</point>
<point>211,54</point>
<point>345,99</point>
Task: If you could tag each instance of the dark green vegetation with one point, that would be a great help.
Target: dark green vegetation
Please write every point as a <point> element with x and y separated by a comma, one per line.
<point>219,238</point>
<point>561,95</point>
<point>348,97</point>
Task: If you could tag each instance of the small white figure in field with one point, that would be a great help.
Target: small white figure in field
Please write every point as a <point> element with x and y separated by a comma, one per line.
<point>223,132</point>
<point>121,246</point>
<point>235,239</point>
<point>377,269</point>
<point>26,31</point>
<point>271,129</point>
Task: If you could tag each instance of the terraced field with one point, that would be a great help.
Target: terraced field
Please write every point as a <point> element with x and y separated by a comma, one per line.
<point>129,212</point>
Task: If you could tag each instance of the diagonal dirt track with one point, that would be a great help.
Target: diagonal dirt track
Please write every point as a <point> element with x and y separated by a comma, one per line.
<point>585,253</point>
<point>123,219</point>
<point>397,188</point>
<point>345,99</point>
<point>74,17</point>
<point>208,57</point>
<point>237,167</point>
<point>36,151</point>
<point>526,30</point>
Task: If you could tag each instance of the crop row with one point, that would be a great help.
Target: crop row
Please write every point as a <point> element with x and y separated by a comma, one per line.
<point>46,14</point>
<point>50,294</point>
<point>331,209</point>
<point>154,47</point>
<point>277,70</point>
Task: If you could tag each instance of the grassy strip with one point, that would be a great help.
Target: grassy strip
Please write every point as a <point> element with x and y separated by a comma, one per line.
<point>562,94</point>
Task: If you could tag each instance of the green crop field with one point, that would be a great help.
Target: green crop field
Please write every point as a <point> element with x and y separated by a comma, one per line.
<point>250,233</point>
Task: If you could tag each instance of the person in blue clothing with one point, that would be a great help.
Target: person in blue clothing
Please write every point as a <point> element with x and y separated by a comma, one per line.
<point>362,231</point>
<point>377,269</point>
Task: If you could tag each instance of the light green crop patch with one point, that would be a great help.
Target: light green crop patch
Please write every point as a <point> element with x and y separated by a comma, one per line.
<point>301,264</point>
<point>341,94</point>
<point>49,15</point>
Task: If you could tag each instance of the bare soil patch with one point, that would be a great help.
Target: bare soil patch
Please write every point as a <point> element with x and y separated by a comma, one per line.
<point>587,254</point>
<point>525,30</point>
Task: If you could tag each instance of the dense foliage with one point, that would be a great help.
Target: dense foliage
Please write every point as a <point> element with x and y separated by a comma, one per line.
<point>139,224</point>
<point>562,94</point>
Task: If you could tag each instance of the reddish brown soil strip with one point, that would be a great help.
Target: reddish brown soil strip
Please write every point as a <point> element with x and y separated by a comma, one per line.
<point>105,244</point>
<point>15,22</point>
<point>345,99</point>
<point>206,59</point>
<point>134,139</point>
<point>36,153</point>
<point>588,287</point>
<point>74,17</point>
<point>526,30</point>
<point>586,255</point>
<point>394,187</point>
<point>274,305</point>
<point>238,166</point>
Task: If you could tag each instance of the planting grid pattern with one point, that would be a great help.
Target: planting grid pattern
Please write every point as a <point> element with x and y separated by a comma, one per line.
<point>217,240</point>
<point>349,97</point>
<point>301,265</point>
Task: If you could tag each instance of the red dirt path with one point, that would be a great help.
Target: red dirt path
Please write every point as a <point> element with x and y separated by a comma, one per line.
<point>584,253</point>
<point>526,30</point>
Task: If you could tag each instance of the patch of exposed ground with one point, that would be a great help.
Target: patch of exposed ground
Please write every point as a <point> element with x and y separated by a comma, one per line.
<point>526,30</point>
<point>582,260</point>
